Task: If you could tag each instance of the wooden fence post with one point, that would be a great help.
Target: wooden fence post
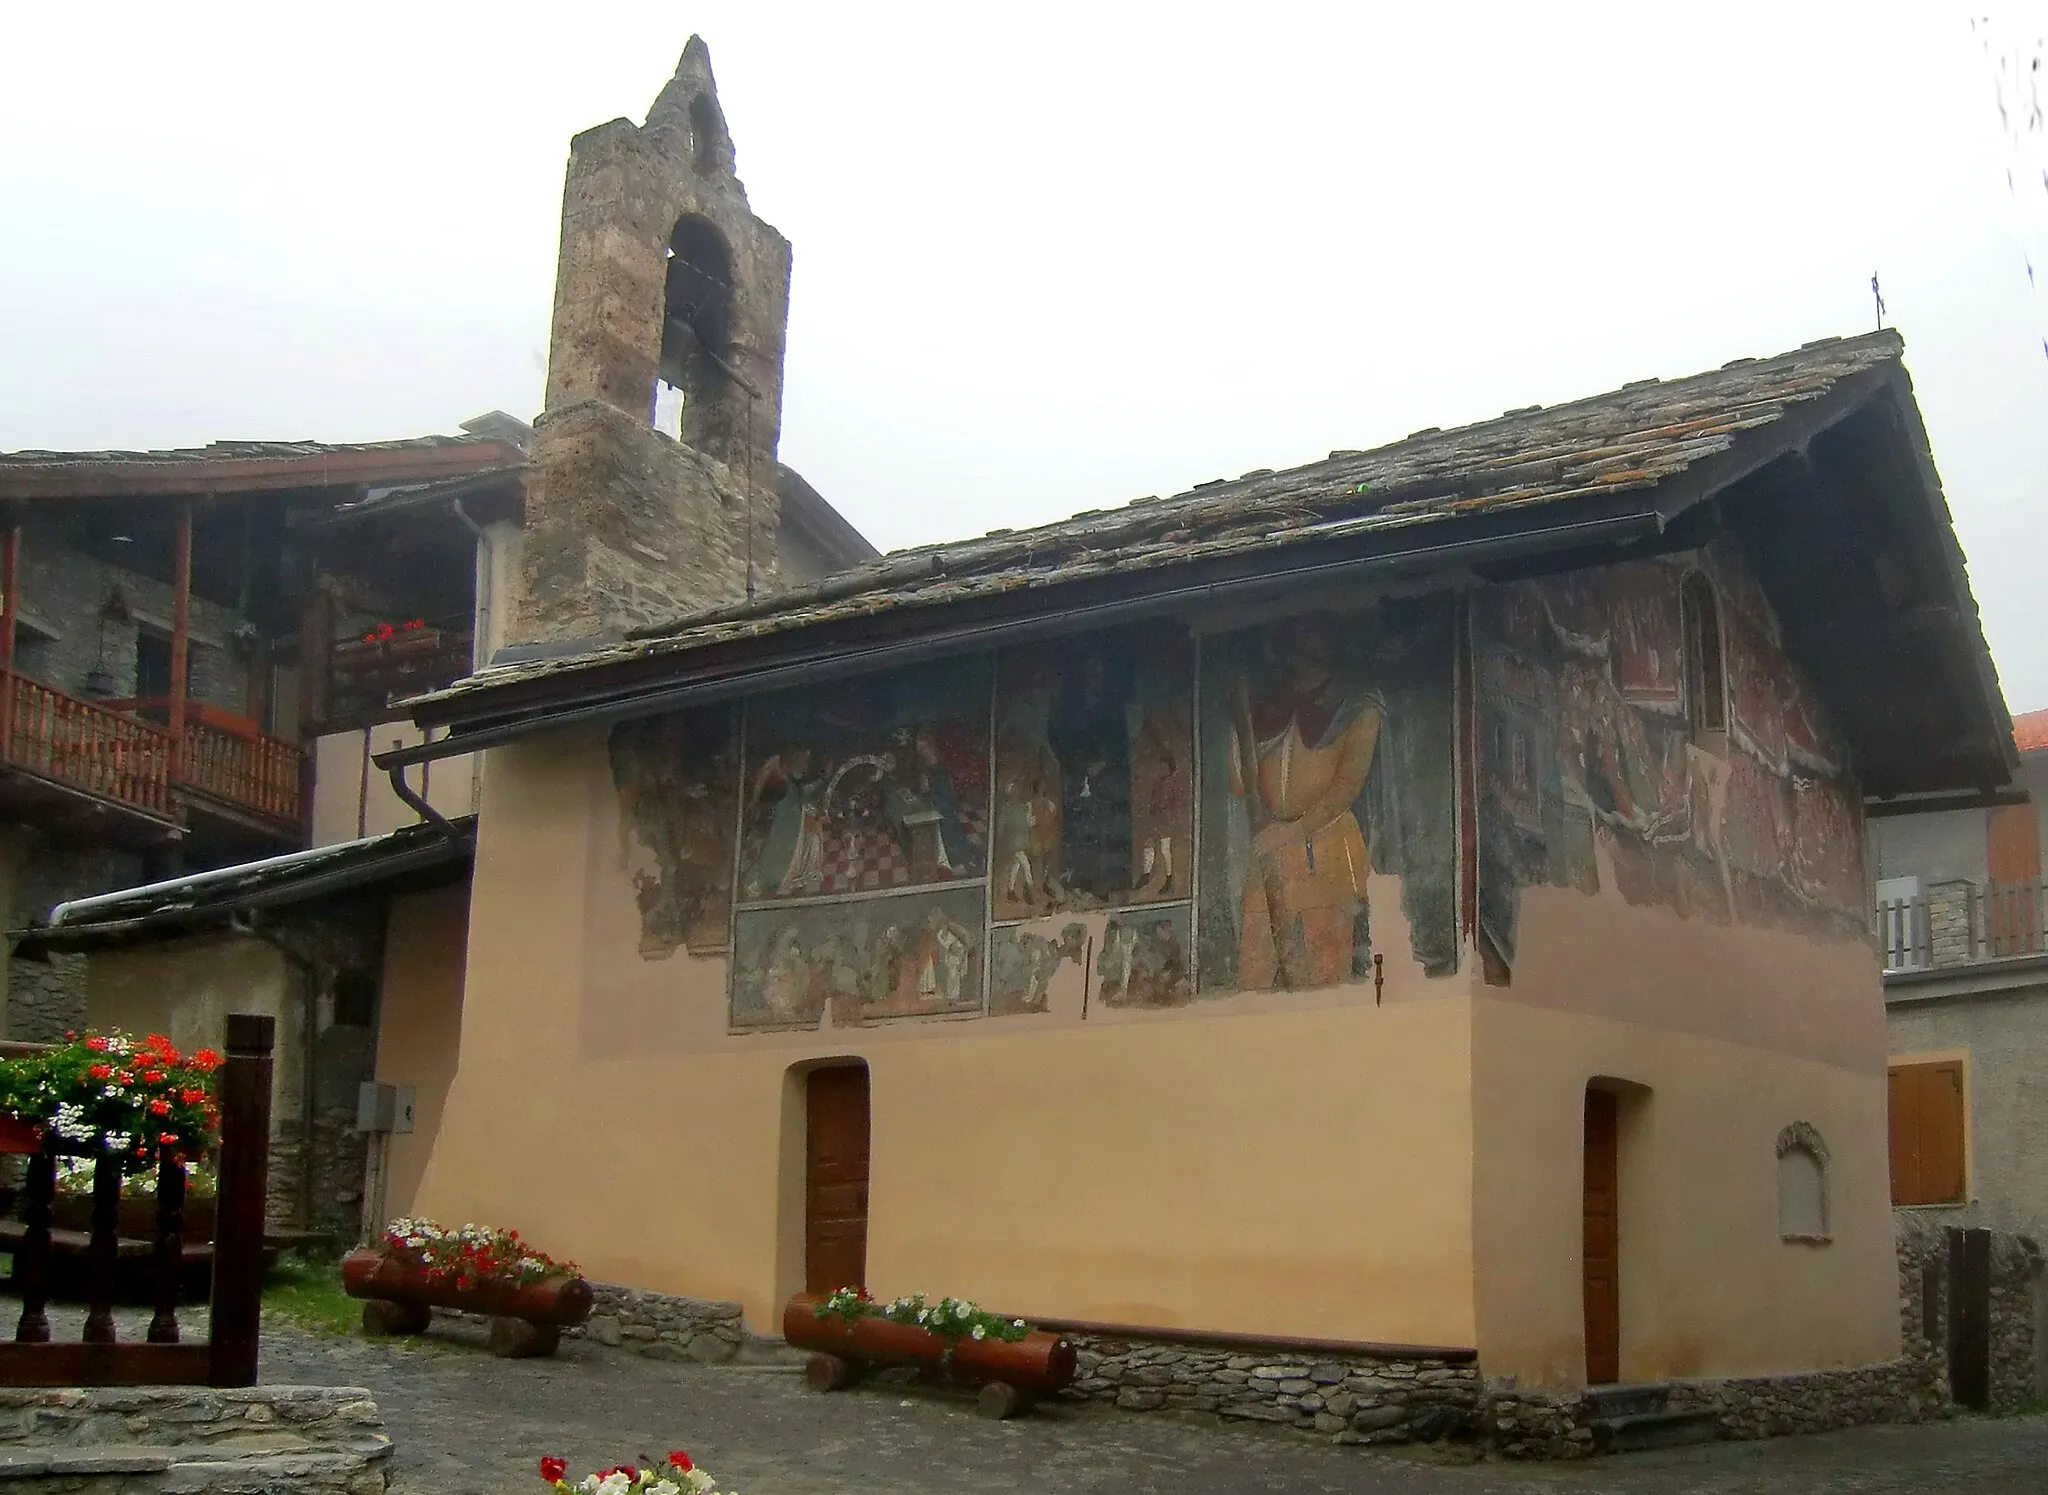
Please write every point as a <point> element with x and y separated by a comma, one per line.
<point>244,1179</point>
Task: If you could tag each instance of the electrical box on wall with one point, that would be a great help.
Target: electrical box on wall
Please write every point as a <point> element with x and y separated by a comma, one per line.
<point>383,1108</point>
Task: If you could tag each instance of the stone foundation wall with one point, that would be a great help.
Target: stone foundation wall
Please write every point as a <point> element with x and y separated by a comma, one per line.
<point>1904,1390</point>
<point>661,1325</point>
<point>320,1440</point>
<point>1350,1398</point>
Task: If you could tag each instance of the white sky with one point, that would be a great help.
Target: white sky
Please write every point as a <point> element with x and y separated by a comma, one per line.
<point>1048,257</point>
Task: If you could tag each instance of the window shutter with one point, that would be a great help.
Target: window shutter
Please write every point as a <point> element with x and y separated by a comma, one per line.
<point>1927,1130</point>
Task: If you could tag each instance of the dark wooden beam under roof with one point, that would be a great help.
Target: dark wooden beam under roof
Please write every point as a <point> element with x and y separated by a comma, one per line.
<point>146,474</point>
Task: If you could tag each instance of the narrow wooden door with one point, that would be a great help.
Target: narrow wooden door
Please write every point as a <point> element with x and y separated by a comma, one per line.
<point>836,1179</point>
<point>1602,1250</point>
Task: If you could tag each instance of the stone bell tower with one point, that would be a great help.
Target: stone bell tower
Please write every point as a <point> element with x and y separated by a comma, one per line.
<point>652,484</point>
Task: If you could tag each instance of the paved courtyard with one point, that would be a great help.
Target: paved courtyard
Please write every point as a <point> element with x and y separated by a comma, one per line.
<point>465,1422</point>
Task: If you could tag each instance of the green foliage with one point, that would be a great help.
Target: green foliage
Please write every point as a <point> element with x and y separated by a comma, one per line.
<point>950,1318</point>
<point>306,1291</point>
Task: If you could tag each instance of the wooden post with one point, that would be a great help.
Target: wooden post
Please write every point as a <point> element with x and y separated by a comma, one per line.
<point>244,1176</point>
<point>32,1261</point>
<point>170,1249</point>
<point>103,1251</point>
<point>181,635</point>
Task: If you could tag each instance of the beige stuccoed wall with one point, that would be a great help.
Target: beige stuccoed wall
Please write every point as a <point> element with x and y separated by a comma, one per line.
<point>1730,1035</point>
<point>419,1024</point>
<point>1295,1165</point>
<point>185,989</point>
<point>352,796</point>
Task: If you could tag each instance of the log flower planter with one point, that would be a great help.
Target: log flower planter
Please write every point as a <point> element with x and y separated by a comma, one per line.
<point>1012,1372</point>
<point>529,1299</point>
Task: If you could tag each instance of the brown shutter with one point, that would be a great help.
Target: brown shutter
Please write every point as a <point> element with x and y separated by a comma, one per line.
<point>2012,844</point>
<point>1927,1134</point>
<point>1905,1156</point>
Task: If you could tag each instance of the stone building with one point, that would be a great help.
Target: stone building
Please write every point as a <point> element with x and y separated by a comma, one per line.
<point>1961,917</point>
<point>1415,905</point>
<point>1341,904</point>
<point>266,604</point>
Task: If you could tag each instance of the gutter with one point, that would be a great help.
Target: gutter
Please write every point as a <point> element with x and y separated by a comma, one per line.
<point>833,665</point>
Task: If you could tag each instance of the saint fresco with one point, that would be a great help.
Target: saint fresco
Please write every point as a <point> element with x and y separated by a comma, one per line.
<point>677,778</point>
<point>913,955</point>
<point>1327,753</point>
<point>1592,775</point>
<point>1094,773</point>
<point>877,784</point>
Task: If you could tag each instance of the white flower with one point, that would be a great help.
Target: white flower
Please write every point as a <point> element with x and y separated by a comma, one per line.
<point>700,1481</point>
<point>615,1483</point>
<point>1016,1323</point>
<point>979,1332</point>
<point>664,1487</point>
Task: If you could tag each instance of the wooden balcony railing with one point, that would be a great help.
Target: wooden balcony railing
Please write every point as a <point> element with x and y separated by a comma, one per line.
<point>227,1355</point>
<point>120,750</point>
<point>1960,923</point>
<point>85,745</point>
<point>253,772</point>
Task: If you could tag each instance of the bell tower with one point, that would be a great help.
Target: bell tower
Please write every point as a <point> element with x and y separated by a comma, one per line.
<point>652,488</point>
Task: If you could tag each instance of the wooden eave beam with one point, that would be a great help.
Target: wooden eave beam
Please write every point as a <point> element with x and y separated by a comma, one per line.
<point>199,475</point>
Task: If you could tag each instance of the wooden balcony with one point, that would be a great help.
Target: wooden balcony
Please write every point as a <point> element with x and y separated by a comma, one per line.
<point>84,766</point>
<point>230,767</point>
<point>248,773</point>
<point>106,769</point>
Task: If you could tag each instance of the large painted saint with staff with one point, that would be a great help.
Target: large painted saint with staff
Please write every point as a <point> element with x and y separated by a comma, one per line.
<point>1326,743</point>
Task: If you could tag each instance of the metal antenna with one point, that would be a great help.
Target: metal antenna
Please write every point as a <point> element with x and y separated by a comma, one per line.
<point>1878,296</point>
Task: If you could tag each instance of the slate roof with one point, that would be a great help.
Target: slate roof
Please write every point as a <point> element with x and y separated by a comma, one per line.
<point>420,854</point>
<point>1638,437</point>
<point>242,466</point>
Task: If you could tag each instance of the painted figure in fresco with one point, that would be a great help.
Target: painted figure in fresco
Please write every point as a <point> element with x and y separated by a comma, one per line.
<point>1301,751</point>
<point>925,813</point>
<point>1162,794</point>
<point>1144,964</point>
<point>792,858</point>
<point>1023,963</point>
<point>1091,741</point>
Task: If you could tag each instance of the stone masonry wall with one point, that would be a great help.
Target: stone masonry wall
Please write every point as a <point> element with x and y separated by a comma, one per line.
<point>46,999</point>
<point>2016,1271</point>
<point>312,1440</point>
<point>1350,1398</point>
<point>661,1325</point>
<point>65,589</point>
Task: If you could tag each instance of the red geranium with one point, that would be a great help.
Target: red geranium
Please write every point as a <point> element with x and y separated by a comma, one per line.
<point>553,1469</point>
<point>681,1460</point>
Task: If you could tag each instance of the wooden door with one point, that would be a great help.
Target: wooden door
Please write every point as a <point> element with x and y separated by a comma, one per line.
<point>1602,1249</point>
<point>836,1179</point>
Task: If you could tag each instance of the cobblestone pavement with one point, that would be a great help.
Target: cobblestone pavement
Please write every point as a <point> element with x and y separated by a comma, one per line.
<point>465,1422</point>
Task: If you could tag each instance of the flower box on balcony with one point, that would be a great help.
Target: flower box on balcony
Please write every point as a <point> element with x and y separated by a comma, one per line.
<point>419,1267</point>
<point>849,1333</point>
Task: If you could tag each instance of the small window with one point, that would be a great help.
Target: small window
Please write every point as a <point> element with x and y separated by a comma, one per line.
<point>1927,1133</point>
<point>355,999</point>
<point>152,664</point>
<point>1802,1184</point>
<point>1706,692</point>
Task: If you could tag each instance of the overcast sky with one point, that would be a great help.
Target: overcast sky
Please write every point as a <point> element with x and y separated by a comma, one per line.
<point>1047,257</point>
